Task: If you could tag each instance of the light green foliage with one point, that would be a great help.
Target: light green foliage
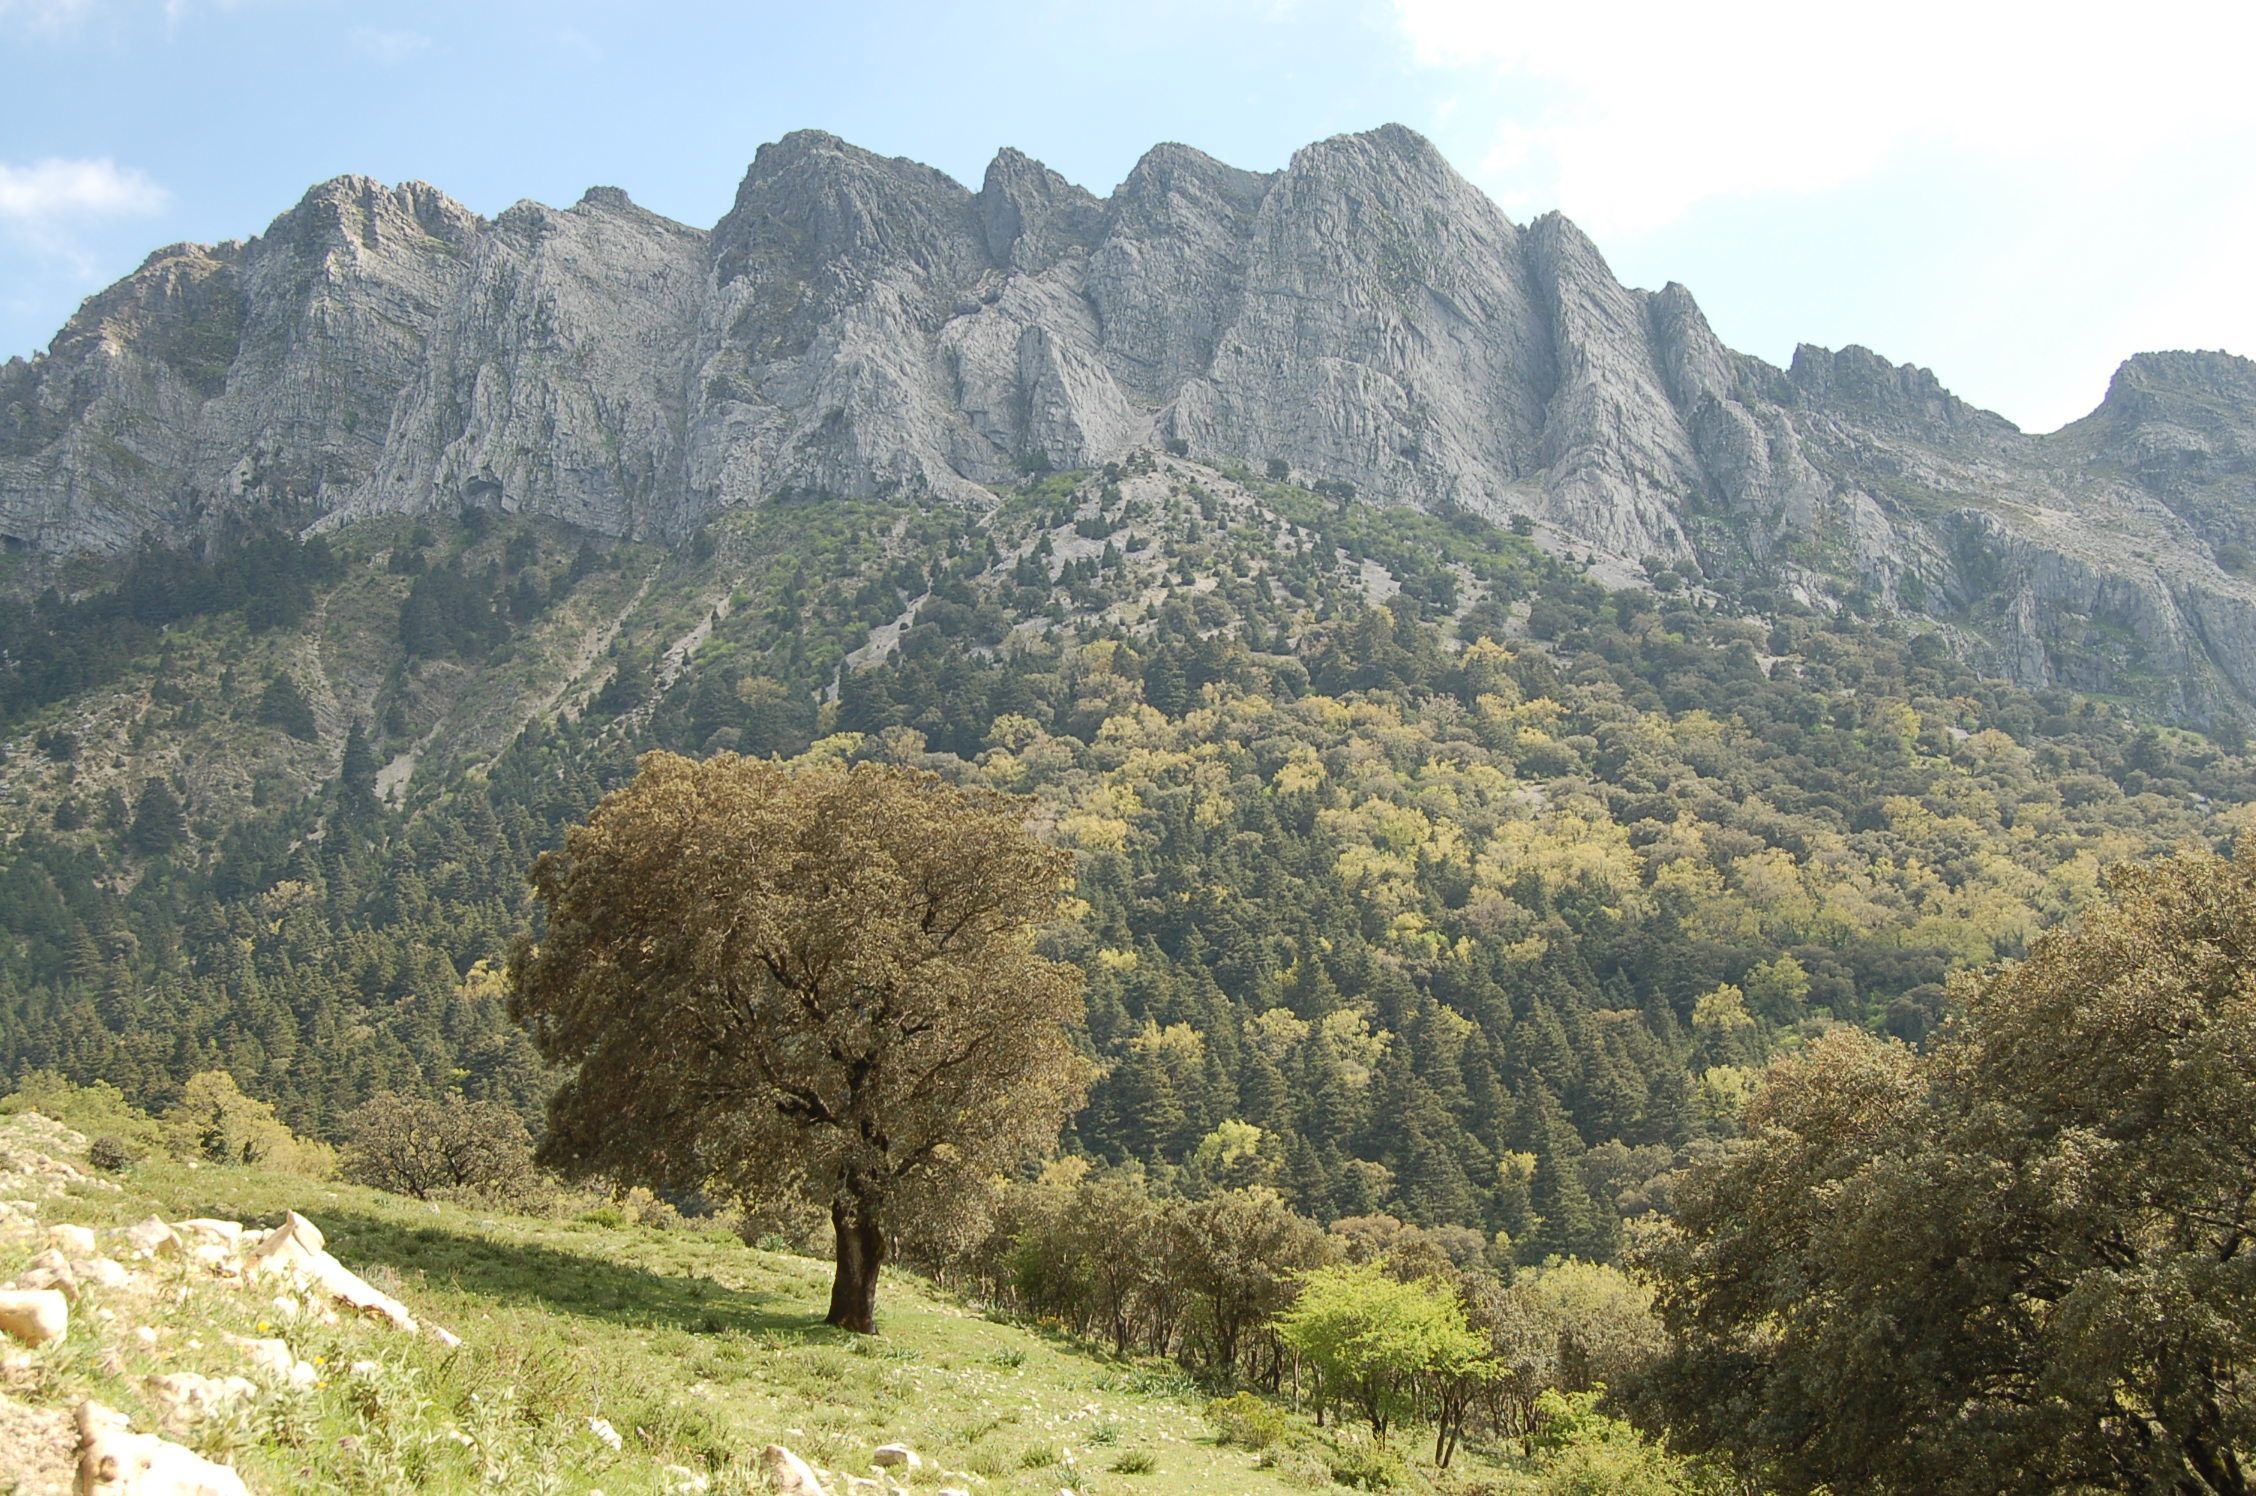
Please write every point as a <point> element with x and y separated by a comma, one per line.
<point>215,1122</point>
<point>1584,1452</point>
<point>97,1110</point>
<point>1247,1420</point>
<point>1371,1340</point>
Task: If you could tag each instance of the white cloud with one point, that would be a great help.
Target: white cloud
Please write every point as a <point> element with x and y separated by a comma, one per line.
<point>388,47</point>
<point>1628,115</point>
<point>56,193</point>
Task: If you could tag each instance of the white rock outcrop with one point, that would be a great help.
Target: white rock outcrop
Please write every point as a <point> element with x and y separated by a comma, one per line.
<point>113,1460</point>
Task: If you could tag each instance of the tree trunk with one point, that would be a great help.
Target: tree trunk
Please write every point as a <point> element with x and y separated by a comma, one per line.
<point>853,1291</point>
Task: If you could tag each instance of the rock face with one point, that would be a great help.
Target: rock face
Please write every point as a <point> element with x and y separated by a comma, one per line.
<point>863,326</point>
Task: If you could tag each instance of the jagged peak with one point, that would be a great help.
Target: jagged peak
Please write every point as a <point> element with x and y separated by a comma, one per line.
<point>349,205</point>
<point>184,250</point>
<point>821,151</point>
<point>613,198</point>
<point>836,201</point>
<point>1029,211</point>
<point>2197,370</point>
<point>1398,142</point>
<point>1854,377</point>
<point>1173,169</point>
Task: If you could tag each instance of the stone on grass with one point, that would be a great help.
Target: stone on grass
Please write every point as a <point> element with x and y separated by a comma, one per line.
<point>295,1248</point>
<point>103,1272</point>
<point>60,1279</point>
<point>791,1475</point>
<point>113,1460</point>
<point>890,1455</point>
<point>72,1241</point>
<point>34,1316</point>
<point>152,1238</point>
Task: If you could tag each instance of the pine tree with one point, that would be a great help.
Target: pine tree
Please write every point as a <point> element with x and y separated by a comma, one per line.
<point>159,823</point>
<point>284,705</point>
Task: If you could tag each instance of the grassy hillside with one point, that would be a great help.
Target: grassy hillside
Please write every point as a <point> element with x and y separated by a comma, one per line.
<point>697,1349</point>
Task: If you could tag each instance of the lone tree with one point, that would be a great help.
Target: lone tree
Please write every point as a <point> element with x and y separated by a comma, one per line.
<point>412,1145</point>
<point>2021,1262</point>
<point>812,983</point>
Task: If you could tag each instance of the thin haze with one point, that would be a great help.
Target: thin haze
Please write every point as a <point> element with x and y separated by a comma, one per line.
<point>2012,195</point>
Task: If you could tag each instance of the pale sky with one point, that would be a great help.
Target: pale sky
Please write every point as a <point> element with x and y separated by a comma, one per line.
<point>2016,196</point>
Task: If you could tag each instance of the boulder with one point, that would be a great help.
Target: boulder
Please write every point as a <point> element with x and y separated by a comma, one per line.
<point>890,1455</point>
<point>349,1289</point>
<point>683,1481</point>
<point>34,1316</point>
<point>791,1475</point>
<point>215,1258</point>
<point>295,1248</point>
<point>287,1245</point>
<point>152,1238</point>
<point>113,1460</point>
<point>72,1241</point>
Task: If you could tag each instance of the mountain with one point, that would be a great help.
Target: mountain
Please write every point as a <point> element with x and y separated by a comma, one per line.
<point>1455,850</point>
<point>859,327</point>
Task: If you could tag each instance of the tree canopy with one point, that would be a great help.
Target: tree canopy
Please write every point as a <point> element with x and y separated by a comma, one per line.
<point>2018,1263</point>
<point>803,981</point>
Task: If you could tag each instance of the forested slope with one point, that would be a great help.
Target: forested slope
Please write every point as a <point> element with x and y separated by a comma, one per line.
<point>1480,889</point>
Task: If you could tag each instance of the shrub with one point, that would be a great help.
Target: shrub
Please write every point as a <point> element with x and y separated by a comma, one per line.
<point>214,1121</point>
<point>1135,1462</point>
<point>412,1145</point>
<point>1247,1420</point>
<point>1366,1467</point>
<point>110,1154</point>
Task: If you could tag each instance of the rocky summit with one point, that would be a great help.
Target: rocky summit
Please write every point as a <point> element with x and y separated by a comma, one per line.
<point>861,326</point>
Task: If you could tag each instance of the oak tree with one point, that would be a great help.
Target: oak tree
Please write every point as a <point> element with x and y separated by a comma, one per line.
<point>2021,1262</point>
<point>803,981</point>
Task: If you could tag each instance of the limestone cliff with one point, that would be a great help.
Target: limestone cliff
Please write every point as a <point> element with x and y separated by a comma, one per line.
<point>857,325</point>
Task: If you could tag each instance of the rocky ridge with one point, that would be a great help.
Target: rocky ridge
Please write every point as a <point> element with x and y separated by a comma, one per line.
<point>858,325</point>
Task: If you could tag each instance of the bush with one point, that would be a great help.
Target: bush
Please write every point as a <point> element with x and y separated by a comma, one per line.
<point>110,1154</point>
<point>1135,1462</point>
<point>1247,1420</point>
<point>214,1121</point>
<point>412,1145</point>
<point>1366,1467</point>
